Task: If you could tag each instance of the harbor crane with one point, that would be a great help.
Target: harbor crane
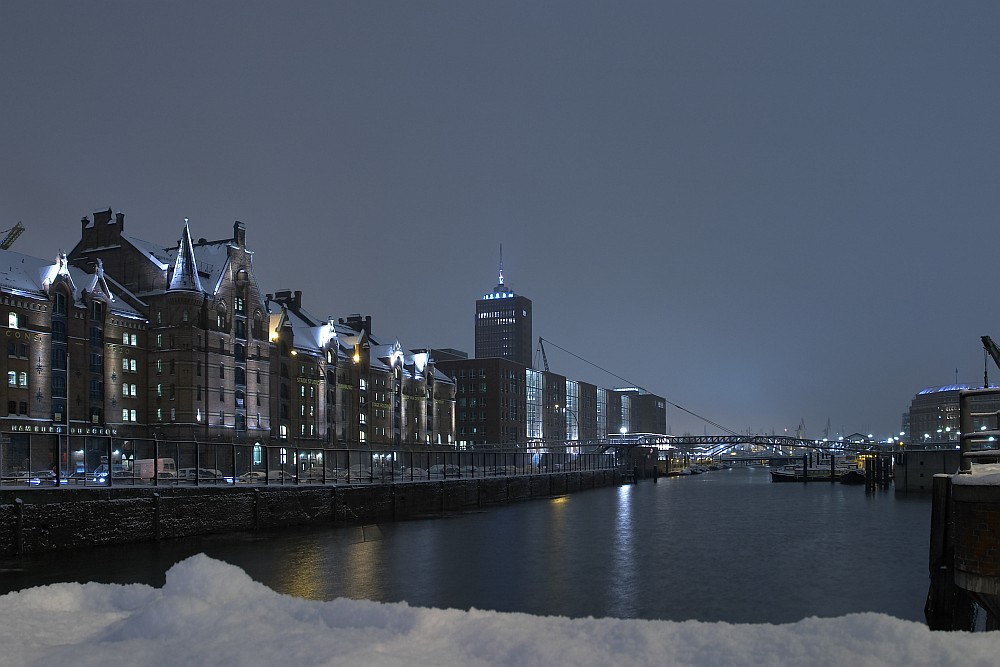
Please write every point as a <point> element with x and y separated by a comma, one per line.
<point>989,347</point>
<point>545,360</point>
<point>11,235</point>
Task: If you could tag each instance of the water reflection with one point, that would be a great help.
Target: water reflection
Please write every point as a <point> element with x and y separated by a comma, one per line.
<point>624,579</point>
<point>712,547</point>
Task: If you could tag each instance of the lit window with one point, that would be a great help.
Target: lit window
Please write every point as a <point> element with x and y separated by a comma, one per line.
<point>131,365</point>
<point>24,379</point>
<point>124,339</point>
<point>135,339</point>
<point>12,320</point>
<point>124,415</point>
<point>12,378</point>
<point>132,416</point>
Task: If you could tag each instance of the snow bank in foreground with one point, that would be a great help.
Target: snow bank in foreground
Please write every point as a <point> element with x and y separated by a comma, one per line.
<point>212,613</point>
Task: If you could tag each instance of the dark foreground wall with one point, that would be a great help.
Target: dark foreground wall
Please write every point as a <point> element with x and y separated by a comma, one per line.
<point>33,520</point>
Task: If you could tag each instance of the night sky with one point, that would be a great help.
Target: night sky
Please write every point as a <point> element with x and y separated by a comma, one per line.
<point>766,212</point>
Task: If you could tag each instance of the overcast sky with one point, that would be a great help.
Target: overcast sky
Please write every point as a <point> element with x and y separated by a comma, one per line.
<point>766,212</point>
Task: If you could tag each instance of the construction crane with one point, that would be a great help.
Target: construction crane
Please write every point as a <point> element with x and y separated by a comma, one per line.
<point>545,360</point>
<point>989,347</point>
<point>11,235</point>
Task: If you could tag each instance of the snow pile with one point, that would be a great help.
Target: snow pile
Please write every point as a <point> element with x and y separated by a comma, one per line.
<point>982,474</point>
<point>212,613</point>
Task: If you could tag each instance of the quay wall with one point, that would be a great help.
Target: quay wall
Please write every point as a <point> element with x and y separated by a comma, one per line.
<point>37,520</point>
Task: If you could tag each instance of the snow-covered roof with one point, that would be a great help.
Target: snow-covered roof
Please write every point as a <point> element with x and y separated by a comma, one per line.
<point>31,276</point>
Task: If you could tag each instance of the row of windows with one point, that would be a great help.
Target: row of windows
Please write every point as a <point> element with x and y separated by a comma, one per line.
<point>13,377</point>
<point>472,388</point>
<point>17,350</point>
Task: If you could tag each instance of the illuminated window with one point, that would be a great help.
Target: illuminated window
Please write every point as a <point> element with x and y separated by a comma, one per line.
<point>24,379</point>
<point>12,378</point>
<point>135,339</point>
<point>124,415</point>
<point>12,320</point>
<point>131,365</point>
<point>132,415</point>
<point>124,339</point>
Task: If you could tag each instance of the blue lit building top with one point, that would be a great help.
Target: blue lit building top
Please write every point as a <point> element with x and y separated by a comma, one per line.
<point>950,387</point>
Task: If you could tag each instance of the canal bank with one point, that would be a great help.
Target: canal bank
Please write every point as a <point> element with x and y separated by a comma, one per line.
<point>39,520</point>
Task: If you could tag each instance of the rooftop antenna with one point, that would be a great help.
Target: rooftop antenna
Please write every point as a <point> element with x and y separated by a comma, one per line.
<point>501,265</point>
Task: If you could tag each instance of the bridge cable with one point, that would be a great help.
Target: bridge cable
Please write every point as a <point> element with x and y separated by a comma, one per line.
<point>632,384</point>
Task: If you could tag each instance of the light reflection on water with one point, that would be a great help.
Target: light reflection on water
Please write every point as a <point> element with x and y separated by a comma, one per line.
<point>624,579</point>
<point>725,545</point>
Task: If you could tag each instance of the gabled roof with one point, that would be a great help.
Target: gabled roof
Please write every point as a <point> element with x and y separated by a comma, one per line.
<point>33,277</point>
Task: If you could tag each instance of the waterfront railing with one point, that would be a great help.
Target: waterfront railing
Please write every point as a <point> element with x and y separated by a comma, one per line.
<point>109,462</point>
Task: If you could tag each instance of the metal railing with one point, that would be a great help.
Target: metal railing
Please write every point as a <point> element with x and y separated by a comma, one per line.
<point>110,461</point>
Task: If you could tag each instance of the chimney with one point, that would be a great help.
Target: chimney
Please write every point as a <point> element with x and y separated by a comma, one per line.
<point>120,220</point>
<point>297,301</point>
<point>240,234</point>
<point>355,322</point>
<point>102,217</point>
<point>84,221</point>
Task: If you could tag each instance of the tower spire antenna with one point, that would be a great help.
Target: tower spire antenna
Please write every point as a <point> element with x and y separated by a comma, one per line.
<point>501,265</point>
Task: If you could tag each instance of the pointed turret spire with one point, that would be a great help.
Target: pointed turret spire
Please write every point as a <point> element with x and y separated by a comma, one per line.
<point>186,267</point>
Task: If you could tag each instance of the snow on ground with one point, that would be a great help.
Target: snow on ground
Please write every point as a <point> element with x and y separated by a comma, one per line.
<point>212,613</point>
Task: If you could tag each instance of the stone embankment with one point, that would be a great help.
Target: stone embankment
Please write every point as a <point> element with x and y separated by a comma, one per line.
<point>36,520</point>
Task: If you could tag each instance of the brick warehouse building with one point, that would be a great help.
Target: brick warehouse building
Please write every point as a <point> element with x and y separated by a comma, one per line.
<point>181,343</point>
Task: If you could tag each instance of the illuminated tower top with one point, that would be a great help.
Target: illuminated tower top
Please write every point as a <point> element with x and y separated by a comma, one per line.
<point>503,323</point>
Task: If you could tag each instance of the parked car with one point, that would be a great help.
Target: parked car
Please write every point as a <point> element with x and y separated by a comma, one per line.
<point>316,476</point>
<point>253,477</point>
<point>203,476</point>
<point>281,477</point>
<point>100,474</point>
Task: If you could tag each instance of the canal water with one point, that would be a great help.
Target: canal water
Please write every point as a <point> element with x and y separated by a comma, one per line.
<point>722,546</point>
